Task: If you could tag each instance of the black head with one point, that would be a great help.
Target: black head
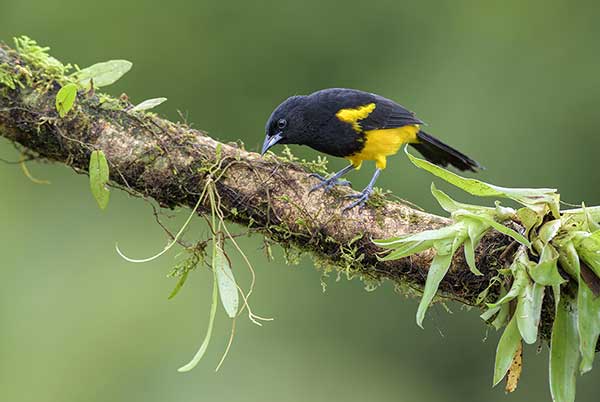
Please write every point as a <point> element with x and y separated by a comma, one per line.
<point>287,124</point>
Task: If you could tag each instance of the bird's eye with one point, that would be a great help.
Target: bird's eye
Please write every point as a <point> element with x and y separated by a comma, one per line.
<point>282,123</point>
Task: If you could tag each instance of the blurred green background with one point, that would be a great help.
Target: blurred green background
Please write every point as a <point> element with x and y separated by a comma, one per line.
<point>514,84</point>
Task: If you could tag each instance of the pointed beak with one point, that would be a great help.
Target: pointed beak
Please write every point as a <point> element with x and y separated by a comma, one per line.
<point>270,141</point>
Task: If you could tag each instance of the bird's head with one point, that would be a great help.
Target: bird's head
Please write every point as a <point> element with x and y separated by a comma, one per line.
<point>286,124</point>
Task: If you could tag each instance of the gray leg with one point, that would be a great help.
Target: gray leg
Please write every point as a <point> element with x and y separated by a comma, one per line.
<point>334,180</point>
<point>365,194</point>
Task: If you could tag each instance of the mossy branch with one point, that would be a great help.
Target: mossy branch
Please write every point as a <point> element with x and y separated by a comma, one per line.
<point>151,157</point>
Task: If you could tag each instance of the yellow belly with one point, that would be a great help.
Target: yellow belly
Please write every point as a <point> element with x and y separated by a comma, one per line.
<point>382,143</point>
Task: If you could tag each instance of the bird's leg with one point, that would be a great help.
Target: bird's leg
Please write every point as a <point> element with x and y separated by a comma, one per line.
<point>363,196</point>
<point>334,180</point>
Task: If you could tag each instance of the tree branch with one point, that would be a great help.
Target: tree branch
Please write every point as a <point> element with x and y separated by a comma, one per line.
<point>155,158</point>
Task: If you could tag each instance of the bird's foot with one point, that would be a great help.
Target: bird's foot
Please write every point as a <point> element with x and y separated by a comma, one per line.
<point>361,199</point>
<point>328,183</point>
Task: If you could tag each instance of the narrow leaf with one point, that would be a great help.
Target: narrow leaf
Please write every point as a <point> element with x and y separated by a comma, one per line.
<point>545,272</point>
<point>593,224</point>
<point>502,229</point>
<point>211,320</point>
<point>65,99</point>
<point>502,317</point>
<point>569,259</point>
<point>589,250</point>
<point>449,205</point>
<point>148,104</point>
<point>529,219</point>
<point>490,312</point>
<point>519,282</point>
<point>437,271</point>
<point>505,351</point>
<point>227,285</point>
<point>408,249</point>
<point>549,230</point>
<point>588,308</point>
<point>564,352</point>
<point>179,285</point>
<point>103,74</point>
<point>529,308</point>
<point>480,188</point>
<point>445,232</point>
<point>475,231</point>
<point>99,175</point>
<point>469,250</point>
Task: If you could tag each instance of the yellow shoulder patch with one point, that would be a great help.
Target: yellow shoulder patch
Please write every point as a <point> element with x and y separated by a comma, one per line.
<point>354,115</point>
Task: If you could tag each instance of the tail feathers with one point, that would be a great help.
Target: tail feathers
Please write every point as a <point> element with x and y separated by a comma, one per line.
<point>435,151</point>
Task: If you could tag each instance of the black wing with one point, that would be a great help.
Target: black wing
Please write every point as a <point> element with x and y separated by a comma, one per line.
<point>387,113</point>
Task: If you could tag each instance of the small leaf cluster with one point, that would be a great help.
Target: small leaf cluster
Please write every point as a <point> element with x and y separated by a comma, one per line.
<point>558,256</point>
<point>470,224</point>
<point>81,81</point>
<point>98,75</point>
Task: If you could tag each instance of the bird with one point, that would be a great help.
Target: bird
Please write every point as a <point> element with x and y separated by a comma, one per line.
<point>358,126</point>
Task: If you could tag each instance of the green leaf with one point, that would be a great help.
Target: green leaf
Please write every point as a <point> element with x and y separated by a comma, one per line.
<point>588,308</point>
<point>148,104</point>
<point>588,314</point>
<point>545,272</point>
<point>529,219</point>
<point>99,175</point>
<point>103,74</point>
<point>227,285</point>
<point>501,310</point>
<point>520,281</point>
<point>435,234</point>
<point>569,259</point>
<point>211,320</point>
<point>179,285</point>
<point>592,223</point>
<point>407,249</point>
<point>529,308</point>
<point>507,347</point>
<point>469,250</point>
<point>527,196</point>
<point>489,313</point>
<point>502,317</point>
<point>65,99</point>
<point>564,352</point>
<point>589,249</point>
<point>475,231</point>
<point>549,230</point>
<point>501,228</point>
<point>437,271</point>
<point>449,205</point>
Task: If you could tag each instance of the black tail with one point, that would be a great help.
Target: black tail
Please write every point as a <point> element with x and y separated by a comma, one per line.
<point>435,151</point>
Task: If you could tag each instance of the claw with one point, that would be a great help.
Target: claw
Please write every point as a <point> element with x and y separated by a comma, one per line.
<point>332,181</point>
<point>317,176</point>
<point>361,200</point>
<point>328,183</point>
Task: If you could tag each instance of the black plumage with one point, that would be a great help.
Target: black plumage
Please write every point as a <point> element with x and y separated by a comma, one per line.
<point>315,120</point>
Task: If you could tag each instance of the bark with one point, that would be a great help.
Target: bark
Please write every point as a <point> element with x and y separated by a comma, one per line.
<point>155,158</point>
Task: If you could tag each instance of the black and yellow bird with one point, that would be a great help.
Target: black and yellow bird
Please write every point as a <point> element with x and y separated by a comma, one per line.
<point>357,126</point>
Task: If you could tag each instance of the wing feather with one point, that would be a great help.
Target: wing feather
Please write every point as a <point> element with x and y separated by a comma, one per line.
<point>388,114</point>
